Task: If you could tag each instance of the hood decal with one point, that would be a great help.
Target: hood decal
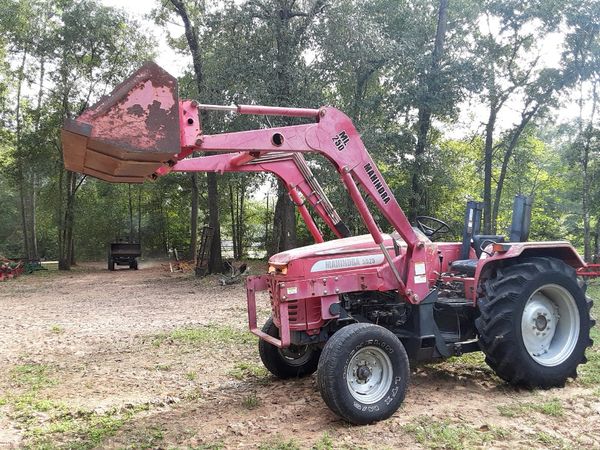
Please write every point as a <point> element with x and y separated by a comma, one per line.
<point>344,263</point>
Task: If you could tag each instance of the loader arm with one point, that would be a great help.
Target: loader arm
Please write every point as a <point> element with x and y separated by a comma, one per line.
<point>292,169</point>
<point>132,134</point>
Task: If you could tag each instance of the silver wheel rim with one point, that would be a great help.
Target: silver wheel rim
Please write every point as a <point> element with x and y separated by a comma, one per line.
<point>369,375</point>
<point>550,325</point>
<point>295,355</point>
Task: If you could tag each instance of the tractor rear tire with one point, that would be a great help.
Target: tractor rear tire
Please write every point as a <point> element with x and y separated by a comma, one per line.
<point>535,323</point>
<point>363,373</point>
<point>292,362</point>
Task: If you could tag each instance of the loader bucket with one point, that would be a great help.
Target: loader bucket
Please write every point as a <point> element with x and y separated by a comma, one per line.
<point>128,135</point>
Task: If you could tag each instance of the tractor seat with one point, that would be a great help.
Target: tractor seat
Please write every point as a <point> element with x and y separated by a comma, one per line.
<point>468,266</point>
<point>464,266</point>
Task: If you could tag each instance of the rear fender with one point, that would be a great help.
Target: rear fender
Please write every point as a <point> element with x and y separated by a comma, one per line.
<point>558,249</point>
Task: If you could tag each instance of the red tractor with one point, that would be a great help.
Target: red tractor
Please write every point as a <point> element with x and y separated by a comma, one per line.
<point>355,309</point>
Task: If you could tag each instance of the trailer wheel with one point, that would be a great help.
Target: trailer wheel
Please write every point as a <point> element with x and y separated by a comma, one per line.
<point>363,373</point>
<point>133,264</point>
<point>535,323</point>
<point>292,362</point>
<point>111,264</point>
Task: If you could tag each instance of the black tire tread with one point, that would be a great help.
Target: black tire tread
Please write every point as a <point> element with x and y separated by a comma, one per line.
<point>272,360</point>
<point>327,373</point>
<point>495,322</point>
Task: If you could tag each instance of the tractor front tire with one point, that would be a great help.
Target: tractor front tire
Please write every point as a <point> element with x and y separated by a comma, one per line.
<point>292,362</point>
<point>535,323</point>
<point>363,373</point>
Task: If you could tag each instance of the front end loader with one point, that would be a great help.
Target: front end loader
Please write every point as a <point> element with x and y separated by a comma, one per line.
<point>357,309</point>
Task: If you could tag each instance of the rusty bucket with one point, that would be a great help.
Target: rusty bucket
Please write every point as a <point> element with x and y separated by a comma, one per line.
<point>128,135</point>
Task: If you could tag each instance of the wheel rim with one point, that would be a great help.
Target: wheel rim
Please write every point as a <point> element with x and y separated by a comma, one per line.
<point>369,375</point>
<point>296,355</point>
<point>550,325</point>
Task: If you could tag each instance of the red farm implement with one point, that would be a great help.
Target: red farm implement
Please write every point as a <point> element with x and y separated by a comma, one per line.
<point>355,309</point>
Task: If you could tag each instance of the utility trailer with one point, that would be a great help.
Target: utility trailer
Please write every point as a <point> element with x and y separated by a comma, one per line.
<point>355,309</point>
<point>123,254</point>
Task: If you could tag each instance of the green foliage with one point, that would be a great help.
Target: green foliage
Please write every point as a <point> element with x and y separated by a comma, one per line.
<point>371,59</point>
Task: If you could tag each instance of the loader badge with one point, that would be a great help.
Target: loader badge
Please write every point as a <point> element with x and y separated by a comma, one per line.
<point>377,183</point>
<point>341,140</point>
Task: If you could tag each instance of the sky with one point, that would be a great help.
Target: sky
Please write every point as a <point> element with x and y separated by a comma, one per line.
<point>472,116</point>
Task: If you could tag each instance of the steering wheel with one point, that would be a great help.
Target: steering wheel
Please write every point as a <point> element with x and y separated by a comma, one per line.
<point>430,226</point>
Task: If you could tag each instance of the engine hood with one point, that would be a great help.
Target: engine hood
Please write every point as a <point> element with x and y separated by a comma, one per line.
<point>346,253</point>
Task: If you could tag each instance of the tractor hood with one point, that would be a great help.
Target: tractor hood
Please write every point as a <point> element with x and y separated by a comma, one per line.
<point>347,253</point>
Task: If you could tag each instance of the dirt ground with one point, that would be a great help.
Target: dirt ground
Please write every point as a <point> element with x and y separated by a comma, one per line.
<point>153,359</point>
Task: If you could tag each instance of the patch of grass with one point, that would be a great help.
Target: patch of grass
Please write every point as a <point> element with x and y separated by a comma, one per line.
<point>445,435</point>
<point>552,407</point>
<point>325,443</point>
<point>82,429</point>
<point>212,446</point>
<point>251,401</point>
<point>551,441</point>
<point>194,394</point>
<point>151,438</point>
<point>31,376</point>
<point>209,334</point>
<point>476,359</point>
<point>279,444</point>
<point>244,370</point>
<point>163,367</point>
<point>191,375</point>
<point>57,329</point>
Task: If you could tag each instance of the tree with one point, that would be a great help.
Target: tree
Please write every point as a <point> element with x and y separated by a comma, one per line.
<point>192,15</point>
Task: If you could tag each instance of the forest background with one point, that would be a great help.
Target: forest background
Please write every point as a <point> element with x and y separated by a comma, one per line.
<point>455,100</point>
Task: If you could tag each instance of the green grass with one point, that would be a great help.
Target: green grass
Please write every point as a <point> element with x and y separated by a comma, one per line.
<point>246,370</point>
<point>445,435</point>
<point>551,441</point>
<point>209,334</point>
<point>191,375</point>
<point>83,429</point>
<point>279,444</point>
<point>57,329</point>
<point>325,443</point>
<point>47,423</point>
<point>552,407</point>
<point>31,376</point>
<point>149,438</point>
<point>251,401</point>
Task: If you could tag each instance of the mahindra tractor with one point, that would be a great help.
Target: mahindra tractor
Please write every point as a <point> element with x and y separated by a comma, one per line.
<point>357,310</point>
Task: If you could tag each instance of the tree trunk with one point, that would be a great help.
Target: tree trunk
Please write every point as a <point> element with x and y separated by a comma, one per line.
<point>525,119</point>
<point>139,214</point>
<point>215,259</point>
<point>20,173</point>
<point>487,171</point>
<point>241,222</point>
<point>418,203</point>
<point>131,228</point>
<point>232,210</point>
<point>284,222</point>
<point>194,216</point>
